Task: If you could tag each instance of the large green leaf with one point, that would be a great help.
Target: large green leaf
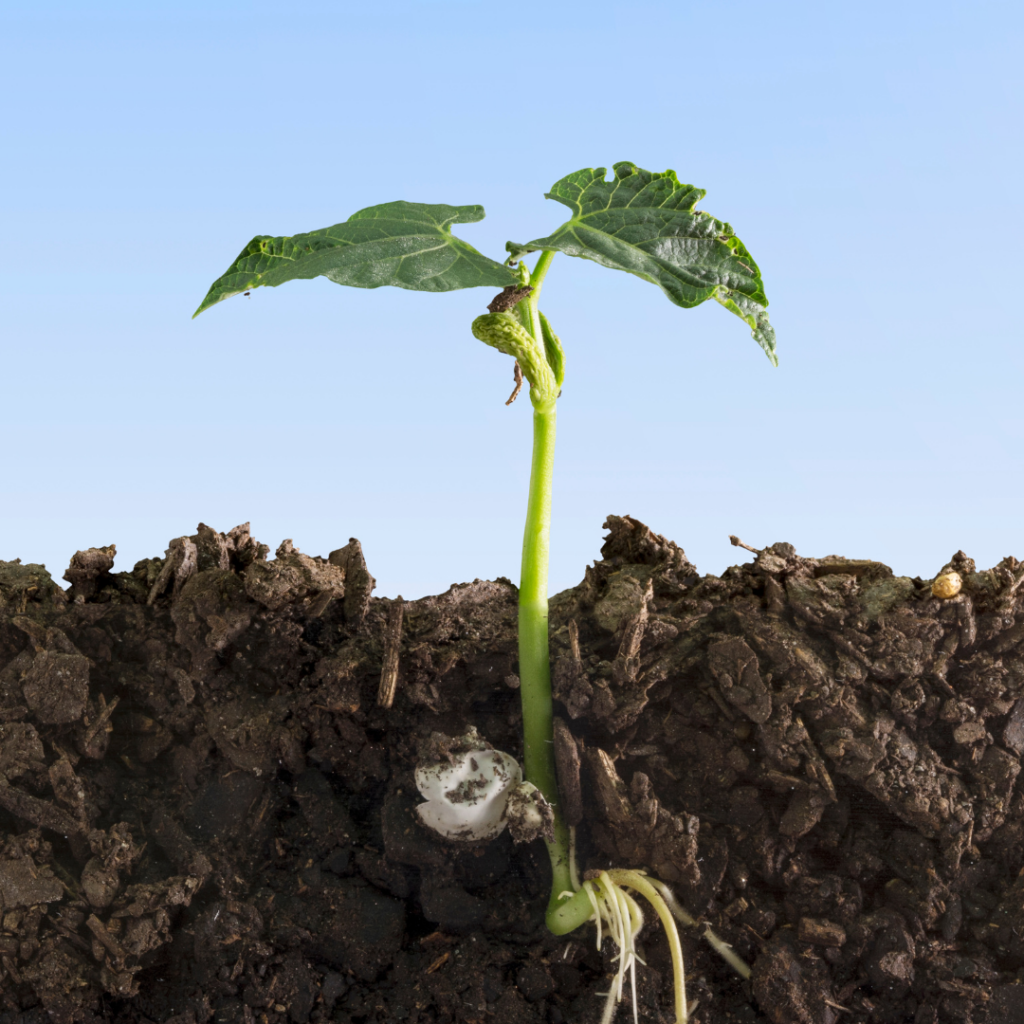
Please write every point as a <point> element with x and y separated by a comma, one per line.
<point>645,223</point>
<point>409,245</point>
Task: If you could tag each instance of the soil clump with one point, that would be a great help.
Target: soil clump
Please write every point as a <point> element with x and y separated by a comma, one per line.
<point>207,797</point>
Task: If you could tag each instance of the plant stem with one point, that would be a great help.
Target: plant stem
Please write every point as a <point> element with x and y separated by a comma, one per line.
<point>537,276</point>
<point>534,658</point>
<point>534,664</point>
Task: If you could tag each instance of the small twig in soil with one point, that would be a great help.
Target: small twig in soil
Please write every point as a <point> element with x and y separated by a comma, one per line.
<point>737,543</point>
<point>33,809</point>
<point>816,763</point>
<point>439,962</point>
<point>106,710</point>
<point>392,645</point>
<point>517,376</point>
<point>828,1002</point>
<point>181,562</point>
<point>99,929</point>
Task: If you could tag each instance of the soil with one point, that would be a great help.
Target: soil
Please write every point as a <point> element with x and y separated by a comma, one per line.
<point>207,798</point>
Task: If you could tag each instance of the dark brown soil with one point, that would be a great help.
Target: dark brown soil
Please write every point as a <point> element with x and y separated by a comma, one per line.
<point>206,803</point>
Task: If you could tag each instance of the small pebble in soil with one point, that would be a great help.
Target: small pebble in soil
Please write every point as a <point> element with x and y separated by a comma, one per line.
<point>947,585</point>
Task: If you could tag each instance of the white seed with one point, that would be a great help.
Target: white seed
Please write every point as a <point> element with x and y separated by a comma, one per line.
<point>467,795</point>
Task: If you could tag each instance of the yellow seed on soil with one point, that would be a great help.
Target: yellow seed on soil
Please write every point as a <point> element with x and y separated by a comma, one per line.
<point>947,585</point>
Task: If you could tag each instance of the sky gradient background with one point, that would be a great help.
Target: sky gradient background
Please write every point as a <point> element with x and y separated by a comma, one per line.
<point>868,155</point>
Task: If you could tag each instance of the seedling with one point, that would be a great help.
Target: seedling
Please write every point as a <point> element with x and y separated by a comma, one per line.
<point>641,222</point>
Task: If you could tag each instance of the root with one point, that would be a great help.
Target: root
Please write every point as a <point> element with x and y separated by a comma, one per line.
<point>618,913</point>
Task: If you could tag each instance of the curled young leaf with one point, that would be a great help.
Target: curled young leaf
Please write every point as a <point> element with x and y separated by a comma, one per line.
<point>645,223</point>
<point>505,333</point>
<point>553,351</point>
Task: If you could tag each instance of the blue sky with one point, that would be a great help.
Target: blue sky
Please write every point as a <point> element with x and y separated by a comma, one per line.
<point>868,155</point>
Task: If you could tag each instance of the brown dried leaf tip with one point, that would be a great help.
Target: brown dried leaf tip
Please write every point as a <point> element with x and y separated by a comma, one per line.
<point>517,376</point>
<point>508,297</point>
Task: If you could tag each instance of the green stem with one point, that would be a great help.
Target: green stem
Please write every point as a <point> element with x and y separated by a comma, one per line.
<point>534,658</point>
<point>537,276</point>
<point>566,916</point>
<point>534,663</point>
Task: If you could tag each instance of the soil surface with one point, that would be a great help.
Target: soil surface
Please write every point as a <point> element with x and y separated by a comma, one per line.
<point>207,798</point>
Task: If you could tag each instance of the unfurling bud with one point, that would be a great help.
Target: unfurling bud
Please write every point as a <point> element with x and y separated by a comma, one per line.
<point>505,333</point>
